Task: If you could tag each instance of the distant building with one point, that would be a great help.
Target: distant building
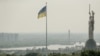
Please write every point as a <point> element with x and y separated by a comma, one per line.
<point>8,39</point>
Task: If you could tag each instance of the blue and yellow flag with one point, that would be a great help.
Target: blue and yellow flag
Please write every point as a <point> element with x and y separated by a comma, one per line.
<point>42,12</point>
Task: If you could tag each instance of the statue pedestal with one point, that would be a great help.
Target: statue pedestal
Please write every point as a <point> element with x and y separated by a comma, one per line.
<point>90,44</point>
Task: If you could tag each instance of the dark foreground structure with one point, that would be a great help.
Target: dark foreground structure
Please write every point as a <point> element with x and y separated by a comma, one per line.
<point>91,44</point>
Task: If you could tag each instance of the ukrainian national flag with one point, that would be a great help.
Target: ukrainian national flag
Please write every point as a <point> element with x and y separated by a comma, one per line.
<point>42,12</point>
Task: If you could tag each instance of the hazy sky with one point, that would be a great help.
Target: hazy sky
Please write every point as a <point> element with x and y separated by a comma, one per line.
<point>20,16</point>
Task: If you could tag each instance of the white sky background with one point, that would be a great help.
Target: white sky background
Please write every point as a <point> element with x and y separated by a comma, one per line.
<point>20,16</point>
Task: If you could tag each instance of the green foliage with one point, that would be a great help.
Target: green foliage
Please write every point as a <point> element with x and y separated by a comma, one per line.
<point>7,55</point>
<point>32,54</point>
<point>58,54</point>
<point>90,53</point>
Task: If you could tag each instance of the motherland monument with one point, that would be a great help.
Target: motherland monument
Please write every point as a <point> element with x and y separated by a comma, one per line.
<point>90,43</point>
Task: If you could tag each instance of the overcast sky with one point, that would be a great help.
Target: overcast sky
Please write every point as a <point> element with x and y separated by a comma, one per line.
<point>20,16</point>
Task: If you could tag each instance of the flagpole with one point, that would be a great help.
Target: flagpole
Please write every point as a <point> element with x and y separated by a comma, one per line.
<point>46,32</point>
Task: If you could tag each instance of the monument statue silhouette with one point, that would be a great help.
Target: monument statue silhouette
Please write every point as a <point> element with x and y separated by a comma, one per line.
<point>91,44</point>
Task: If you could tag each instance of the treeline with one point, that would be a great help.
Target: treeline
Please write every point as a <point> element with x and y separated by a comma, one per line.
<point>90,53</point>
<point>52,54</point>
<point>83,53</point>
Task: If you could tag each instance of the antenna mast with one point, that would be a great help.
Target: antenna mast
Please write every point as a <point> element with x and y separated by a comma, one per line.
<point>69,35</point>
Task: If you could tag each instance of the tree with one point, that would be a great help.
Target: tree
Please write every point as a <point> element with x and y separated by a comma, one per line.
<point>90,53</point>
<point>32,54</point>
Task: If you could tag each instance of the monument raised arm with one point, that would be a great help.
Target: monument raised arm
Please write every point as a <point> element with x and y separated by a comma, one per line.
<point>91,44</point>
